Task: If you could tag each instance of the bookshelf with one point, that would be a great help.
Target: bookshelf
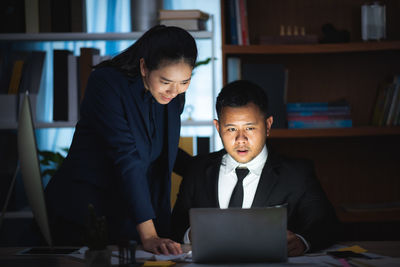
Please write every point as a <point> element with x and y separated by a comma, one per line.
<point>355,165</point>
<point>76,37</point>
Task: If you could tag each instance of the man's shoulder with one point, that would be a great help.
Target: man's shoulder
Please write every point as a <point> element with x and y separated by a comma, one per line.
<point>290,169</point>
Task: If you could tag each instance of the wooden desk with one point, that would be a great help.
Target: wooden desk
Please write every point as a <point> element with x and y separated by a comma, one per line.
<point>8,257</point>
<point>386,248</point>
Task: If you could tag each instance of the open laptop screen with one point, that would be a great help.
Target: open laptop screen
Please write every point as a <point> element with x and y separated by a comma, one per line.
<point>239,235</point>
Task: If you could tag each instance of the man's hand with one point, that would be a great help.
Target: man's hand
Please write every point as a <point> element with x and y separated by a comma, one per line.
<point>296,247</point>
<point>164,246</point>
<point>152,243</point>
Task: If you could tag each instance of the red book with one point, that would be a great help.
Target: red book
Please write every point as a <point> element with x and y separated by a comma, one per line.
<point>243,19</point>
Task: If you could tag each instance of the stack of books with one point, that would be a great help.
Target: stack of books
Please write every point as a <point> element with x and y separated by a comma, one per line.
<point>386,111</point>
<point>318,115</point>
<point>188,19</point>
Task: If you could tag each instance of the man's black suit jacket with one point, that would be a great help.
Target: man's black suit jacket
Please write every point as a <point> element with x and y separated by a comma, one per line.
<point>290,181</point>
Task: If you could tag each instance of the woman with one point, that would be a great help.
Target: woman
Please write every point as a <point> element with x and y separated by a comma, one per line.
<point>125,144</point>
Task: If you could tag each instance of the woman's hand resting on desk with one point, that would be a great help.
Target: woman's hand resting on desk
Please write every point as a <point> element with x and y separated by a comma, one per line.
<point>164,246</point>
<point>153,243</point>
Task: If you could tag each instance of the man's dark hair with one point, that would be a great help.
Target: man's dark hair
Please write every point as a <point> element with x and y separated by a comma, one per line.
<point>240,93</point>
<point>157,46</point>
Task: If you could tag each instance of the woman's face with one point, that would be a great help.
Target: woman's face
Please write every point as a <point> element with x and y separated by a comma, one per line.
<point>166,82</point>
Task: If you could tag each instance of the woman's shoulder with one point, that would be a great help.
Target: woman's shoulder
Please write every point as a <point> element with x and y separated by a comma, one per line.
<point>108,73</point>
<point>112,75</point>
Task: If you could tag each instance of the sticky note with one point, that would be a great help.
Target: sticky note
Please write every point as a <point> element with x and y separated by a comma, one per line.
<point>159,263</point>
<point>355,249</point>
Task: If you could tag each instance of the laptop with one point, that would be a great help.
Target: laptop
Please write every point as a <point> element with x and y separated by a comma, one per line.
<point>32,180</point>
<point>239,235</point>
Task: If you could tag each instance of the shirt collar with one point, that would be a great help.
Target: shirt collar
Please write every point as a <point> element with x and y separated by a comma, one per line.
<point>255,166</point>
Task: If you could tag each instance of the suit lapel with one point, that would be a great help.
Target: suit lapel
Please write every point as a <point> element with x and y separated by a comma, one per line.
<point>212,174</point>
<point>269,177</point>
<point>173,124</point>
<point>143,110</point>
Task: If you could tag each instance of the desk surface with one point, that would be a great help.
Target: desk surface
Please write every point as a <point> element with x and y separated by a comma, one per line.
<point>8,257</point>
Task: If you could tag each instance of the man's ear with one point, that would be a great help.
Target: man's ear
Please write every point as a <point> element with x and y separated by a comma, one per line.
<point>269,122</point>
<point>143,69</point>
<point>216,124</point>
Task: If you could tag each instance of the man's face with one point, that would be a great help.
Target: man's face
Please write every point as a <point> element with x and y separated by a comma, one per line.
<point>243,131</point>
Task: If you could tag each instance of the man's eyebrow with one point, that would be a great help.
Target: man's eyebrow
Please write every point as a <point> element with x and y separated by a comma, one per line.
<point>232,124</point>
<point>168,80</point>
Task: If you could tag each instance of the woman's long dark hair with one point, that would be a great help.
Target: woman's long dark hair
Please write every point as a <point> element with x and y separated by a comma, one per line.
<point>160,44</point>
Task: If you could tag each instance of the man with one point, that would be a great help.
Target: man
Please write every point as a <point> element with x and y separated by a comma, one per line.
<point>212,180</point>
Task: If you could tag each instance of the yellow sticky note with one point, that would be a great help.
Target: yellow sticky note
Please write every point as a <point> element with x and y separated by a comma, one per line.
<point>355,249</point>
<point>159,263</point>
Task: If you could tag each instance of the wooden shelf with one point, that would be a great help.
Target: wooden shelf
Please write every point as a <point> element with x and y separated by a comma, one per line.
<point>334,132</point>
<point>39,125</point>
<point>82,36</point>
<point>354,165</point>
<point>312,48</point>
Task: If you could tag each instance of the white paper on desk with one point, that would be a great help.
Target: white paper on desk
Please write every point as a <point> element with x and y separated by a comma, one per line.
<point>321,260</point>
<point>144,255</point>
<point>382,262</point>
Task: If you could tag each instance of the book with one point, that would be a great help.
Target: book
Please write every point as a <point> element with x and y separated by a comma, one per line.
<point>312,124</point>
<point>292,117</point>
<point>3,72</point>
<point>396,115</point>
<point>231,21</point>
<point>183,14</point>
<point>33,72</point>
<point>306,113</point>
<point>318,106</point>
<point>238,22</point>
<point>60,81</point>
<point>60,16</point>
<point>32,16</point>
<point>234,69</point>
<point>78,15</point>
<point>85,67</point>
<point>392,107</point>
<point>16,76</point>
<point>187,24</point>
<point>45,15</point>
<point>386,105</point>
<point>8,108</point>
<point>244,21</point>
<point>73,95</point>
<point>273,79</point>
<point>379,104</point>
<point>12,16</point>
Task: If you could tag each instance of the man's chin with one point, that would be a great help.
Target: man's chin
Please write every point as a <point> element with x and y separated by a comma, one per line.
<point>241,158</point>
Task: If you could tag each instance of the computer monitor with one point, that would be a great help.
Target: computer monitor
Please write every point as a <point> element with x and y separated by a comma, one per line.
<point>30,169</point>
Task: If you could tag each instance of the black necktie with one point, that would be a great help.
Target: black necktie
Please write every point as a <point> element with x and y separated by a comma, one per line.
<point>237,194</point>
